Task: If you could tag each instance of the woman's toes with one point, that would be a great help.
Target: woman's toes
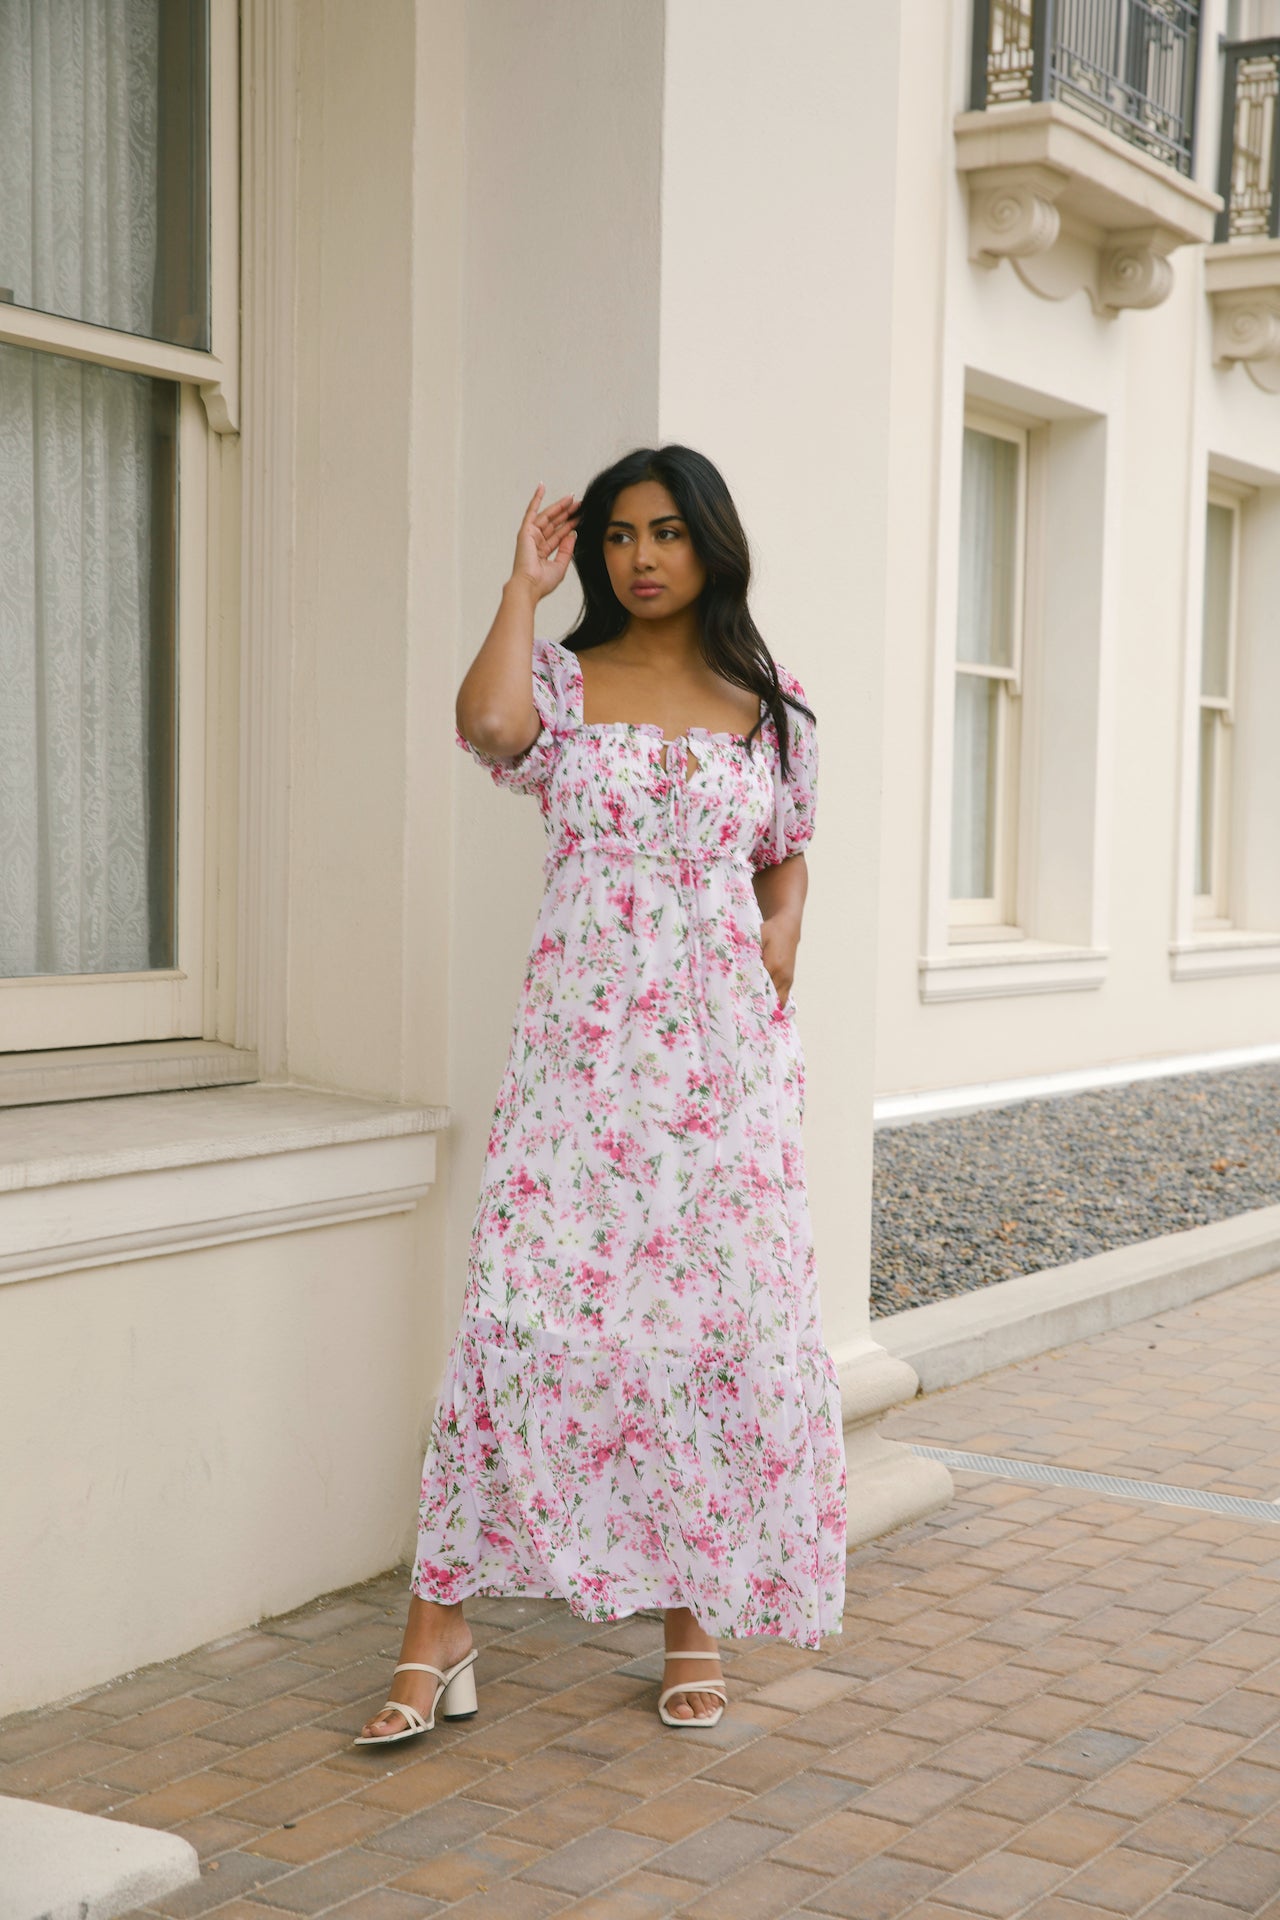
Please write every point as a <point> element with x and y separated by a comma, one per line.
<point>386,1723</point>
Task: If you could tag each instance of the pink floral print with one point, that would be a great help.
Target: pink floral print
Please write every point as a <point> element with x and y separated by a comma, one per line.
<point>638,1410</point>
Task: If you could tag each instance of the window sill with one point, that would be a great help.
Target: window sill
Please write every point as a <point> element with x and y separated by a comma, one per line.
<point>976,971</point>
<point>1210,956</point>
<point>143,1066</point>
<point>982,934</point>
<point>90,1183</point>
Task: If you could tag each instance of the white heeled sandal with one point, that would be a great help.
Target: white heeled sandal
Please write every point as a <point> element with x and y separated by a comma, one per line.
<point>455,1696</point>
<point>692,1686</point>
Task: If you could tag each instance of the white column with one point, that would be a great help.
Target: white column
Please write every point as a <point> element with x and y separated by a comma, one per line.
<point>777,228</point>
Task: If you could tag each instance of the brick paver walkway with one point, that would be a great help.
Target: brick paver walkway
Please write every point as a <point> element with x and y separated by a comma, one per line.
<point>1046,1705</point>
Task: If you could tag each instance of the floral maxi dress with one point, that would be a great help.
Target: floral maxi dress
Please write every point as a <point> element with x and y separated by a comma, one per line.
<point>638,1410</point>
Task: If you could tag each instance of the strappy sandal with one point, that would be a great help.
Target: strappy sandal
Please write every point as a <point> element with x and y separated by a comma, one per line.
<point>455,1696</point>
<point>692,1686</point>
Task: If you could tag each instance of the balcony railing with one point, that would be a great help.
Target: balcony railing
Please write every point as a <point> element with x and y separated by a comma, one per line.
<point>1128,64</point>
<point>1249,163</point>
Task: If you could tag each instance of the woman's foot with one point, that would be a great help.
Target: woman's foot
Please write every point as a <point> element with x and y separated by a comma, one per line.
<point>437,1635</point>
<point>682,1633</point>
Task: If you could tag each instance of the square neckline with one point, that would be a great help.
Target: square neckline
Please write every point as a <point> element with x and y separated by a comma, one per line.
<point>641,726</point>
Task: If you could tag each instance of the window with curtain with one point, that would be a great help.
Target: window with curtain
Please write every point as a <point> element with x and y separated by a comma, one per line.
<point>1217,692</point>
<point>104,221</point>
<point>987,682</point>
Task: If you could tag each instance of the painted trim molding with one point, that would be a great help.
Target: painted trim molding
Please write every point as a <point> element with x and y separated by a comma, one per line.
<point>1212,956</point>
<point>269,218</point>
<point>977,972</point>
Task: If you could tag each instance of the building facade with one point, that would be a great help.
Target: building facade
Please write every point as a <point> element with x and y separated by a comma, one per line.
<point>1080,812</point>
<point>993,387</point>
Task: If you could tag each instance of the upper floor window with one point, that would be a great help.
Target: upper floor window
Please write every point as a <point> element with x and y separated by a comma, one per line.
<point>1128,64</point>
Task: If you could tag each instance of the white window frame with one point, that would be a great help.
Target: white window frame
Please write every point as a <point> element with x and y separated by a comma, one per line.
<point>995,916</point>
<point>1236,929</point>
<point>1211,911</point>
<point>1058,941</point>
<point>82,1010</point>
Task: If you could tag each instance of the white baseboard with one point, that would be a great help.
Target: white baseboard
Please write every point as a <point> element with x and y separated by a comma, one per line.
<point>900,1109</point>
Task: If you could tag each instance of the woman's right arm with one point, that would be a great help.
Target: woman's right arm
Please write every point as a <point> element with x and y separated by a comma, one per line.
<point>494,709</point>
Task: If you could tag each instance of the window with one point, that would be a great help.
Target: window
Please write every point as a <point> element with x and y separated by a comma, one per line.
<point>988,667</point>
<point>1217,693</point>
<point>118,304</point>
<point>1226,910</point>
<point>1023,710</point>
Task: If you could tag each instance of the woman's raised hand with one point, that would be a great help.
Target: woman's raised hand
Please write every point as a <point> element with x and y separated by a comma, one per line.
<point>545,542</point>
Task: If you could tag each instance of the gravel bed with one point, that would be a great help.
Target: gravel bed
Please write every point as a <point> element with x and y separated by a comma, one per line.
<point>969,1201</point>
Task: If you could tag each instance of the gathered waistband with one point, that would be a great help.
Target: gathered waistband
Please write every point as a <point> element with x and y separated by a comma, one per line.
<point>626,850</point>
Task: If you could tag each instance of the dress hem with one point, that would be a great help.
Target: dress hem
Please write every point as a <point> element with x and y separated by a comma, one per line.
<point>490,1591</point>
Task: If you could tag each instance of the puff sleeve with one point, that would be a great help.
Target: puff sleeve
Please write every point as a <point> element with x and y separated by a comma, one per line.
<point>530,771</point>
<point>795,799</point>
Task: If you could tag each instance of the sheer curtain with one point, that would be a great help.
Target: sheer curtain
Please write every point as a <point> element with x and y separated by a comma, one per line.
<point>972,781</point>
<point>78,92</point>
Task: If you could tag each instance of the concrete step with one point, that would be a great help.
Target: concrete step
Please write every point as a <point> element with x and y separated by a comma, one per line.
<point>60,1865</point>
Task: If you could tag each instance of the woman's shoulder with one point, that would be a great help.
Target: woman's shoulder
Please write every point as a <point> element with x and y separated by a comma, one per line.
<point>557,668</point>
<point>790,682</point>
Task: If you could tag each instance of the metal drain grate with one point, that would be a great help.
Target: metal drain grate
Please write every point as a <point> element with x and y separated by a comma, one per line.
<point>1119,1489</point>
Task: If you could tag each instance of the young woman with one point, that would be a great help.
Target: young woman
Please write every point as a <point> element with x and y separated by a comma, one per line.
<point>638,1410</point>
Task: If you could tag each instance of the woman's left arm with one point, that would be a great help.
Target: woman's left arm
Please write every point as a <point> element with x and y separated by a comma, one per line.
<point>781,893</point>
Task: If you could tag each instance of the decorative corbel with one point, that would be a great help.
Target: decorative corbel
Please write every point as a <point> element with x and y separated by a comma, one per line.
<point>1133,270</point>
<point>1246,332</point>
<point>1012,212</point>
<point>1242,280</point>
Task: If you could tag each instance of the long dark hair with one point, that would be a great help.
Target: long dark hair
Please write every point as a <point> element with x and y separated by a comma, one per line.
<point>732,645</point>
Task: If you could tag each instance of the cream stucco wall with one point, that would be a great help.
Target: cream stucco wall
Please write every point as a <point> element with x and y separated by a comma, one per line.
<point>1143,382</point>
<point>194,1441</point>
<point>777,267</point>
<point>557,376</point>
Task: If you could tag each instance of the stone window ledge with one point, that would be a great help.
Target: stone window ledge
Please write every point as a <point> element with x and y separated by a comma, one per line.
<point>975,971</point>
<point>1210,956</point>
<point>1071,205</point>
<point>94,1182</point>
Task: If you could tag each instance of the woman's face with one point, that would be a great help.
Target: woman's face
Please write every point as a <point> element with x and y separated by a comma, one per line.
<point>647,543</point>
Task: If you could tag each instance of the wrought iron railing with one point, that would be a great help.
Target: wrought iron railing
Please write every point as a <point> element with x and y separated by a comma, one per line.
<point>1128,64</point>
<point>1249,160</point>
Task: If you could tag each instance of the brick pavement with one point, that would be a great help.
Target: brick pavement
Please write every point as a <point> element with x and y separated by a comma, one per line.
<point>1045,1705</point>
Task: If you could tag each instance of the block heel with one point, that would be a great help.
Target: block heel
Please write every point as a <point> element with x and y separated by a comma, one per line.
<point>458,1697</point>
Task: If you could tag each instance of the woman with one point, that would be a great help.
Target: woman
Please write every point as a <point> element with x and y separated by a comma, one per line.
<point>638,1410</point>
